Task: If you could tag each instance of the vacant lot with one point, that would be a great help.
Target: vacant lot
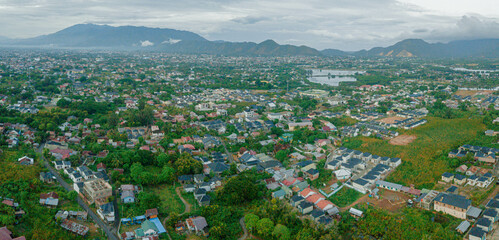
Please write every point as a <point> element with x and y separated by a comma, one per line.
<point>345,197</point>
<point>170,202</point>
<point>402,140</point>
<point>465,93</point>
<point>390,120</point>
<point>422,161</point>
<point>389,200</point>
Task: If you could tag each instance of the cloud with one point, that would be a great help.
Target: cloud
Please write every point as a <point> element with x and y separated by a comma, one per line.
<point>146,43</point>
<point>249,20</point>
<point>342,24</point>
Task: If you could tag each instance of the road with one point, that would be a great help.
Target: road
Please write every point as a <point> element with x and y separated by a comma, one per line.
<point>186,204</point>
<point>110,232</point>
<point>229,155</point>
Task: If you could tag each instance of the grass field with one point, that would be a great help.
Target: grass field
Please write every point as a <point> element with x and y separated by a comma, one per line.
<point>421,160</point>
<point>170,202</point>
<point>345,197</point>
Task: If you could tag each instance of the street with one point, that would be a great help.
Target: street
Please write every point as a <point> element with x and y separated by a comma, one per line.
<point>110,232</point>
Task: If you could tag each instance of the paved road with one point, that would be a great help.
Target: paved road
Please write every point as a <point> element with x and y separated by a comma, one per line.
<point>229,155</point>
<point>110,232</point>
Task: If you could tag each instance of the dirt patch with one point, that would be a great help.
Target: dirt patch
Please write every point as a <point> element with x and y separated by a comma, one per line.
<point>389,200</point>
<point>465,93</point>
<point>402,140</point>
<point>391,120</point>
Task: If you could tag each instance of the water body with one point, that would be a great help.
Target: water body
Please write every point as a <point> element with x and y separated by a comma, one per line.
<point>332,77</point>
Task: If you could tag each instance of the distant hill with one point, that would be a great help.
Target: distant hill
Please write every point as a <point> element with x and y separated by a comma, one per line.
<point>176,41</point>
<point>92,35</point>
<point>420,48</point>
<point>155,39</point>
<point>266,48</point>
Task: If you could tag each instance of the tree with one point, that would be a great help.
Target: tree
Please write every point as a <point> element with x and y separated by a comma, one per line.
<point>251,221</point>
<point>264,227</point>
<point>281,155</point>
<point>167,175</point>
<point>7,216</point>
<point>148,200</point>
<point>238,190</point>
<point>185,164</point>
<point>281,232</point>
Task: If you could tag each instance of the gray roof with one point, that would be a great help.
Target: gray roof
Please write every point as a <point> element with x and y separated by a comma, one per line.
<point>388,184</point>
<point>453,200</point>
<point>463,227</point>
<point>474,212</point>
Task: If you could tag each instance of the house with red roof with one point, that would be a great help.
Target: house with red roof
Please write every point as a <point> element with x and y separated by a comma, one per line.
<point>307,192</point>
<point>315,198</point>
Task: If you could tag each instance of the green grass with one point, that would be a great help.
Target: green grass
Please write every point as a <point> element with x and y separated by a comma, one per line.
<point>170,202</point>
<point>422,162</point>
<point>345,197</point>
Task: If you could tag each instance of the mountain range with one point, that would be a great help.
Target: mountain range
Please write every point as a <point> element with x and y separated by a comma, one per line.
<point>176,41</point>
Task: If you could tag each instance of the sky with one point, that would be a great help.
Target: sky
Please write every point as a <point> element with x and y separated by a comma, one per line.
<point>340,24</point>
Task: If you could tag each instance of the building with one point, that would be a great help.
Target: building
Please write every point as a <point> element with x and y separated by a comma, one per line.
<point>97,189</point>
<point>196,224</point>
<point>452,204</point>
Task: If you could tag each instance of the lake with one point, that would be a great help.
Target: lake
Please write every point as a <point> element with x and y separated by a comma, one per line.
<point>332,77</point>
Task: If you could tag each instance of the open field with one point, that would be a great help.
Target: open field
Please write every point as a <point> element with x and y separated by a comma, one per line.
<point>465,93</point>
<point>422,163</point>
<point>402,140</point>
<point>170,202</point>
<point>390,120</point>
<point>345,197</point>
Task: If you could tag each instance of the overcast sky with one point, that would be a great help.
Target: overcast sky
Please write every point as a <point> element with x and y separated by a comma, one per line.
<point>341,24</point>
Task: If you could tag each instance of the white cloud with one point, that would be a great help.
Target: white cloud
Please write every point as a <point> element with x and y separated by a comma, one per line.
<point>342,24</point>
<point>146,43</point>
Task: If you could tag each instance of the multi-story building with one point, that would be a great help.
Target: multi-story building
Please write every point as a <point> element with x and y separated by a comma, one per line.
<point>97,189</point>
<point>452,204</point>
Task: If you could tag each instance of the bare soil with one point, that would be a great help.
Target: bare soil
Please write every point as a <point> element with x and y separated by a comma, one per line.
<point>390,120</point>
<point>402,140</point>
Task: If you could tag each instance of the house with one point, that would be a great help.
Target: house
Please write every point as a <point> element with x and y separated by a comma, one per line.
<point>26,160</point>
<point>316,214</point>
<point>307,192</point>
<point>196,224</point>
<point>279,194</point>
<point>47,177</point>
<point>204,200</point>
<point>147,228</point>
<point>459,179</point>
<point>356,213</point>
<point>343,174</point>
<point>484,223</point>
<point>127,197</point>
<point>325,205</point>
<point>473,213</point>
<point>463,227</point>
<point>447,177</point>
<point>312,174</point>
<point>6,234</point>
<point>50,199</point>
<point>452,204</point>
<point>476,233</point>
<point>97,189</point>
<point>296,200</point>
<point>151,213</point>
<point>189,187</point>
<point>361,185</point>
<point>388,185</point>
<point>491,214</point>
<point>315,198</point>
<point>305,207</point>
<point>106,212</point>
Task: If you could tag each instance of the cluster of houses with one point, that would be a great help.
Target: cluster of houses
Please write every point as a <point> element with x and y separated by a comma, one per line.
<point>365,167</point>
<point>127,193</point>
<point>197,185</point>
<point>18,133</point>
<point>50,199</point>
<point>150,226</point>
<point>482,181</point>
<point>482,154</point>
<point>368,129</point>
<point>196,225</point>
